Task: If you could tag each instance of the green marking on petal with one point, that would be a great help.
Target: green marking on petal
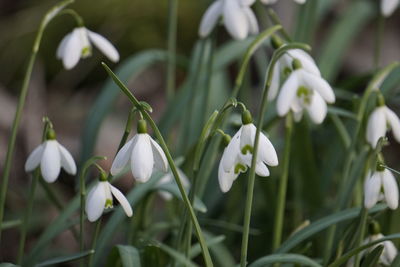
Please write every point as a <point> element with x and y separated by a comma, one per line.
<point>286,71</point>
<point>109,203</point>
<point>247,148</point>
<point>86,51</point>
<point>305,94</point>
<point>240,168</point>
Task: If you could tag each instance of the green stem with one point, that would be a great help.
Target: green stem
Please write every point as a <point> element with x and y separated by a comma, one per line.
<point>10,224</point>
<point>360,237</point>
<point>276,21</point>
<point>94,242</point>
<point>172,25</point>
<point>280,205</point>
<point>27,216</point>
<point>21,102</point>
<point>157,133</point>
<point>378,39</point>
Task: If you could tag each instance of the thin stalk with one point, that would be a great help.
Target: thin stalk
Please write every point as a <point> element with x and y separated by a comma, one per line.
<point>10,224</point>
<point>276,21</point>
<point>378,39</point>
<point>172,25</point>
<point>24,228</point>
<point>280,205</point>
<point>21,102</point>
<point>360,237</point>
<point>94,242</point>
<point>157,133</point>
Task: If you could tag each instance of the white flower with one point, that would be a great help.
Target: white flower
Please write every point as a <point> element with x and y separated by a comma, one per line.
<point>51,156</point>
<point>268,2</point>
<point>144,154</point>
<point>376,183</point>
<point>305,91</point>
<point>77,44</point>
<point>169,179</point>
<point>284,65</point>
<point>388,254</point>
<point>238,18</point>
<point>238,154</point>
<point>388,7</point>
<point>380,120</point>
<point>100,198</point>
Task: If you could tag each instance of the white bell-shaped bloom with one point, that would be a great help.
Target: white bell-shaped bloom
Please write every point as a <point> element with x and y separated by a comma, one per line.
<point>77,45</point>
<point>169,179</point>
<point>268,2</point>
<point>51,156</point>
<point>100,198</point>
<point>237,16</point>
<point>381,185</point>
<point>144,154</point>
<point>388,7</point>
<point>284,65</point>
<point>237,156</point>
<point>379,122</point>
<point>305,91</point>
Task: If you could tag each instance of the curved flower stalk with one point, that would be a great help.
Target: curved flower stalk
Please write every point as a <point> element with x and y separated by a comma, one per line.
<point>51,156</point>
<point>379,122</point>
<point>237,155</point>
<point>237,16</point>
<point>381,185</point>
<point>100,198</point>
<point>78,44</point>
<point>169,179</point>
<point>268,2</point>
<point>305,91</point>
<point>143,153</point>
<point>388,7</point>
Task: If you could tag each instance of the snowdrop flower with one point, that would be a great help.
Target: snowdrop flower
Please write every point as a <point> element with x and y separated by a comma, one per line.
<point>51,156</point>
<point>237,154</point>
<point>268,2</point>
<point>388,7</point>
<point>237,16</point>
<point>284,66</point>
<point>169,179</point>
<point>143,153</point>
<point>305,91</point>
<point>381,185</point>
<point>77,45</point>
<point>100,198</point>
<point>380,120</point>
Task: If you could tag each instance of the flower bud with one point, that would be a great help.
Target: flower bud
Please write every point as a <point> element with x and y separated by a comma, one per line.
<point>246,117</point>
<point>51,134</point>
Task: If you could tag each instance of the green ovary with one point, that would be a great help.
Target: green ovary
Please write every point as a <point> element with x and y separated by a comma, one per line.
<point>305,94</point>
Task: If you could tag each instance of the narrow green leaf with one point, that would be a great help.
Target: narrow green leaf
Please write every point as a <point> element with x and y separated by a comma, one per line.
<point>10,224</point>
<point>7,264</point>
<point>179,257</point>
<point>372,258</point>
<point>196,249</point>
<point>285,258</point>
<point>129,256</point>
<point>63,259</point>
<point>342,112</point>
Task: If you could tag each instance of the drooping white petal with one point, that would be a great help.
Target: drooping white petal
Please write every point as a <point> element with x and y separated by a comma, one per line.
<point>105,46</point>
<point>142,161</point>
<point>122,200</point>
<point>266,151</point>
<point>229,156</point>
<point>275,82</point>
<point>372,187</point>
<point>73,50</point>
<point>251,20</point>
<point>376,126</point>
<point>298,115</point>
<point>67,161</point>
<point>34,158</point>
<point>235,20</point>
<point>95,202</point>
<point>61,47</point>
<point>225,178</point>
<point>247,2</point>
<point>388,7</point>
<point>390,189</point>
<point>300,1</point>
<point>262,169</point>
<point>389,252</point>
<point>306,60</point>
<point>318,109</point>
<point>210,18</point>
<point>287,93</point>
<point>123,156</point>
<point>394,122</point>
<point>267,2</point>
<point>160,160</point>
<point>318,84</point>
<point>51,161</point>
<point>248,133</point>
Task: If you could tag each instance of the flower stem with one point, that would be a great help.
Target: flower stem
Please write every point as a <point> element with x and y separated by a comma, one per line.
<point>172,25</point>
<point>94,242</point>
<point>157,133</point>
<point>21,102</point>
<point>280,206</point>
<point>378,39</point>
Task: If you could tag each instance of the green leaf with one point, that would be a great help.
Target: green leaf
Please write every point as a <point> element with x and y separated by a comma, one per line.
<point>342,112</point>
<point>10,224</point>
<point>322,224</point>
<point>63,259</point>
<point>153,255</point>
<point>196,249</point>
<point>340,37</point>
<point>129,256</point>
<point>285,258</point>
<point>372,258</point>
<point>7,264</point>
<point>179,257</point>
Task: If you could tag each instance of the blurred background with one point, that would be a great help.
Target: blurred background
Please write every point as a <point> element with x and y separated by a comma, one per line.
<point>67,97</point>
